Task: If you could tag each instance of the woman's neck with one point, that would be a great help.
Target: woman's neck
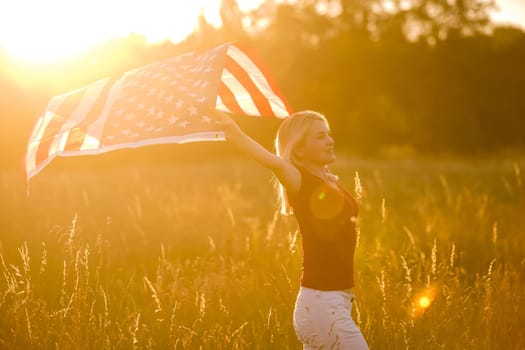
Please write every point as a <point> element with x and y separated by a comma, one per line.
<point>322,172</point>
<point>316,169</point>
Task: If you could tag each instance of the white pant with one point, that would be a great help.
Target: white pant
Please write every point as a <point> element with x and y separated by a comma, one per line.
<point>323,320</point>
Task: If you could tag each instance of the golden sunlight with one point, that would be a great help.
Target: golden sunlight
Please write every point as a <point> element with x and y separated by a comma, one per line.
<point>37,31</point>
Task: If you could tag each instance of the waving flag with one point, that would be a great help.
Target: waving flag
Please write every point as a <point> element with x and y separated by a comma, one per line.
<point>162,102</point>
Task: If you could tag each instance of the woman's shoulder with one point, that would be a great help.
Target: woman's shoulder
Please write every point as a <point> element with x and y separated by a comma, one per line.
<point>308,181</point>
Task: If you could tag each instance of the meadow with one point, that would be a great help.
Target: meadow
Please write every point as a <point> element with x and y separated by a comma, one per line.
<point>193,256</point>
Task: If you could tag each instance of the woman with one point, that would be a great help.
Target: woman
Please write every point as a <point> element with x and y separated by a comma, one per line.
<point>326,215</point>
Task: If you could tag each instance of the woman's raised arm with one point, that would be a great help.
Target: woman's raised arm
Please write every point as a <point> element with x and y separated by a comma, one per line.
<point>288,175</point>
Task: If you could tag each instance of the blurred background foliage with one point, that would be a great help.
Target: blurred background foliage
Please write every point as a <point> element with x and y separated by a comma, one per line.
<point>410,77</point>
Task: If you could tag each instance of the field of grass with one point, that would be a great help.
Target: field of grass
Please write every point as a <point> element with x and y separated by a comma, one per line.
<point>193,256</point>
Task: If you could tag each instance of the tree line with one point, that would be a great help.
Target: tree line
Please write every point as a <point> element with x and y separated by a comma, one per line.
<point>424,76</point>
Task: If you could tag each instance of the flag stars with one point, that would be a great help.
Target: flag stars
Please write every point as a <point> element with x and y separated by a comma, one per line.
<point>151,111</point>
<point>129,116</point>
<point>206,119</point>
<point>169,99</point>
<point>173,119</point>
<point>200,84</point>
<point>184,124</point>
<point>152,91</point>
<point>192,110</point>
<point>179,104</point>
<point>201,99</point>
<point>131,100</point>
<point>159,115</point>
<point>141,124</point>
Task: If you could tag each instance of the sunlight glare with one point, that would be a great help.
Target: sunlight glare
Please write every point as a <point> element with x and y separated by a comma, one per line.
<point>424,302</point>
<point>35,30</point>
<point>424,299</point>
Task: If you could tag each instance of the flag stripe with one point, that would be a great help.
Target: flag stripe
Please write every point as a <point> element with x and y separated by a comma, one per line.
<point>276,103</point>
<point>266,73</point>
<point>87,111</point>
<point>220,106</point>
<point>74,140</point>
<point>38,132</point>
<point>42,153</point>
<point>228,99</point>
<point>34,142</point>
<point>95,130</point>
<point>58,117</point>
<point>240,94</point>
<point>243,77</point>
<point>78,115</point>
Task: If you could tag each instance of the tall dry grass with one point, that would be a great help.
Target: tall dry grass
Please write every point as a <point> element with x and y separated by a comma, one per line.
<point>193,256</point>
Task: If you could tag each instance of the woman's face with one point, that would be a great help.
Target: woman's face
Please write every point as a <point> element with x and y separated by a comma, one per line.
<point>317,146</point>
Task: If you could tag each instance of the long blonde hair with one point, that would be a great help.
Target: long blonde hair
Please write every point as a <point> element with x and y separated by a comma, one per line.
<point>291,133</point>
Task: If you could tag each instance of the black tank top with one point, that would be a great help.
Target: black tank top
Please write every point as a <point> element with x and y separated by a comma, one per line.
<point>326,219</point>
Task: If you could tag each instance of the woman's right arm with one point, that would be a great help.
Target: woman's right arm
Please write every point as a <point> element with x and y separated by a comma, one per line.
<point>288,175</point>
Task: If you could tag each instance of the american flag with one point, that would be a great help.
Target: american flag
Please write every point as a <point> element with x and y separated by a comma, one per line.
<point>162,102</point>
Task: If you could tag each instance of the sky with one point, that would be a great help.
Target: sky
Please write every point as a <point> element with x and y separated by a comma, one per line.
<point>48,29</point>
<point>38,30</point>
<point>511,11</point>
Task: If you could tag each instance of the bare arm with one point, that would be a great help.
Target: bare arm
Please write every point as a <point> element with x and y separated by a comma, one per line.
<point>288,175</point>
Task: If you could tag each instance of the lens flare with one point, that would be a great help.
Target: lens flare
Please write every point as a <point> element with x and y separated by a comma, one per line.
<point>424,301</point>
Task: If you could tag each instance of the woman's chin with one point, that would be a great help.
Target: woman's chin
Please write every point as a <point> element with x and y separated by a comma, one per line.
<point>331,159</point>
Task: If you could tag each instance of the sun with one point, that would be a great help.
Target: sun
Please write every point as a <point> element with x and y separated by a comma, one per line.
<point>45,30</point>
<point>35,30</point>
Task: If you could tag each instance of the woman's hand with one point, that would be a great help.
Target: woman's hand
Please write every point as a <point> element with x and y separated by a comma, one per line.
<point>232,130</point>
<point>288,174</point>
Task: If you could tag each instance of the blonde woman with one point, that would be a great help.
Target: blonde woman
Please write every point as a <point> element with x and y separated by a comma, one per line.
<point>326,215</point>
